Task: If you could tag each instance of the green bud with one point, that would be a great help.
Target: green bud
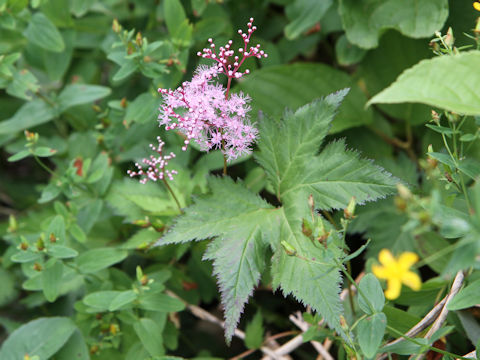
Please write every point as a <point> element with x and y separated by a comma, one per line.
<point>289,249</point>
<point>306,228</point>
<point>349,212</point>
<point>12,224</point>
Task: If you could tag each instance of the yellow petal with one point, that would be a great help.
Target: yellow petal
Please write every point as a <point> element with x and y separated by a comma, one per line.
<point>407,259</point>
<point>385,257</point>
<point>412,280</point>
<point>476,6</point>
<point>393,289</point>
<point>379,271</point>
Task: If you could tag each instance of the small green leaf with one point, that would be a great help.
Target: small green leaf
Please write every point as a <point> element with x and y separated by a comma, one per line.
<point>444,82</point>
<point>43,33</point>
<point>20,155</point>
<point>140,109</point>
<point>348,54</point>
<point>150,335</point>
<point>42,337</point>
<point>303,14</point>
<point>160,302</point>
<point>370,331</point>
<point>110,300</point>
<point>25,256</point>
<point>51,277</point>
<point>76,346</point>
<point>370,296</point>
<point>23,118</point>
<point>254,332</point>
<point>467,297</point>
<point>126,69</point>
<point>44,151</point>
<point>78,94</point>
<point>61,252</point>
<point>97,259</point>
<point>174,15</point>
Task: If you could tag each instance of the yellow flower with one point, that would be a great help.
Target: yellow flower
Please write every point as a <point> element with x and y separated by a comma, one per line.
<point>397,272</point>
<point>476,6</point>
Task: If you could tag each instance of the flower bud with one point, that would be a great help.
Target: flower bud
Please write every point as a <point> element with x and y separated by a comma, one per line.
<point>12,224</point>
<point>449,39</point>
<point>349,211</point>
<point>139,39</point>
<point>289,249</point>
<point>116,27</point>
<point>404,192</point>
<point>306,228</point>
<point>40,244</point>
<point>37,267</point>
<point>52,238</point>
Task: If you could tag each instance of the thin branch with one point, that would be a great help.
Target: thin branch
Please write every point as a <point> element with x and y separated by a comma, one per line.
<point>457,284</point>
<point>303,325</point>
<point>205,315</point>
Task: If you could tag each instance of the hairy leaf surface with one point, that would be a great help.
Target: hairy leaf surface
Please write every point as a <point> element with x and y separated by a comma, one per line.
<point>242,224</point>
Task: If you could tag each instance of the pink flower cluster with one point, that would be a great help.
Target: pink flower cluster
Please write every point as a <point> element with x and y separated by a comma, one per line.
<point>203,110</point>
<point>199,109</point>
<point>156,165</point>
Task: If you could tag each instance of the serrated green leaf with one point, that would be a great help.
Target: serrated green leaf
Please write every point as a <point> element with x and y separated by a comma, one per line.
<point>238,251</point>
<point>334,176</point>
<point>311,276</point>
<point>364,21</point>
<point>444,82</point>
<point>298,84</point>
<point>43,33</point>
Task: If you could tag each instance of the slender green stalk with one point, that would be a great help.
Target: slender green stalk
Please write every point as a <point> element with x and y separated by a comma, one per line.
<point>173,195</point>
<point>43,165</point>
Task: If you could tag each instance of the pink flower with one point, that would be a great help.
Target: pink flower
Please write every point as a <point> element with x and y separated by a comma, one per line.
<point>205,112</point>
<point>155,165</point>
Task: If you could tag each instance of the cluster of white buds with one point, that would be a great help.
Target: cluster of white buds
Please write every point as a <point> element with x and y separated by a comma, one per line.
<point>156,166</point>
<point>225,52</point>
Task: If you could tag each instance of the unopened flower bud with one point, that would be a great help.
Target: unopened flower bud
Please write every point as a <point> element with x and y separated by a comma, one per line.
<point>12,224</point>
<point>404,192</point>
<point>37,267</point>
<point>449,39</point>
<point>23,245</point>
<point>306,228</point>
<point>123,103</point>
<point>139,39</point>
<point>40,244</point>
<point>430,149</point>
<point>114,329</point>
<point>289,249</point>
<point>116,27</point>
<point>435,117</point>
<point>52,238</point>
<point>349,211</point>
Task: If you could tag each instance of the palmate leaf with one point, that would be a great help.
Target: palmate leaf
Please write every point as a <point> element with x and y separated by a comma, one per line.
<point>333,177</point>
<point>243,225</point>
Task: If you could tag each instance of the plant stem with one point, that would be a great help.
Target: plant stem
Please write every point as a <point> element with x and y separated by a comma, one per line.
<point>399,333</point>
<point>44,167</point>
<point>173,194</point>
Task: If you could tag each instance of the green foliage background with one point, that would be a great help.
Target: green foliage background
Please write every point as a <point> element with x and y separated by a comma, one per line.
<point>346,81</point>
